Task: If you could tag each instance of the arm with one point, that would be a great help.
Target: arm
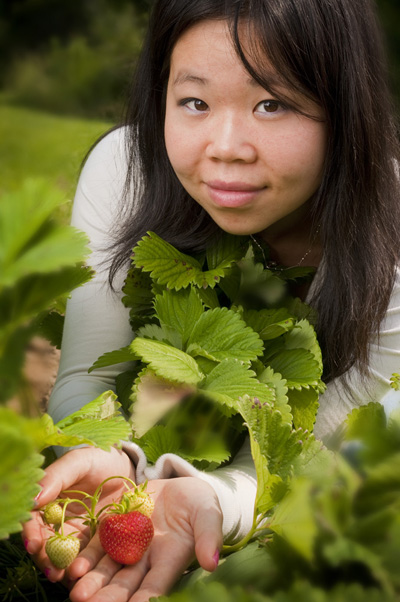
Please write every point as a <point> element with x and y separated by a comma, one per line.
<point>338,401</point>
<point>96,320</point>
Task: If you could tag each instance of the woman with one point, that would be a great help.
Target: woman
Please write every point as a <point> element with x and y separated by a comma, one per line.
<point>269,118</point>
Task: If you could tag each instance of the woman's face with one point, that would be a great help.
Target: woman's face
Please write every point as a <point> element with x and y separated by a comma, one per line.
<point>241,154</point>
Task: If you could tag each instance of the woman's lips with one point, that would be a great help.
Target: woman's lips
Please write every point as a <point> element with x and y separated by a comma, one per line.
<point>232,194</point>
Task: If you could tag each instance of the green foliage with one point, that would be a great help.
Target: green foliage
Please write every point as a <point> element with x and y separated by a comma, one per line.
<point>37,144</point>
<point>39,266</point>
<point>200,329</point>
<point>84,73</point>
<point>22,439</point>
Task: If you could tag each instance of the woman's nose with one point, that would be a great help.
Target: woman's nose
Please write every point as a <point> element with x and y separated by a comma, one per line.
<point>230,140</point>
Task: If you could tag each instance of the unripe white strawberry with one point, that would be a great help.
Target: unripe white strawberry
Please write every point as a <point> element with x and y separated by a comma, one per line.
<point>52,514</point>
<point>62,549</point>
<point>137,499</point>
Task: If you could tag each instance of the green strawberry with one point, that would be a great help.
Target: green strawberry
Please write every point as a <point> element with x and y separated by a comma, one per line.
<point>62,549</point>
<point>52,513</point>
<point>138,499</point>
<point>126,537</point>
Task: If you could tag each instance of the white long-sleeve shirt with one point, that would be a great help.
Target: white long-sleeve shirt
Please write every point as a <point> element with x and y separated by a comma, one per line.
<point>96,321</point>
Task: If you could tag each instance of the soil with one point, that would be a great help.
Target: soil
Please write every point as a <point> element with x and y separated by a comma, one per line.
<point>40,371</point>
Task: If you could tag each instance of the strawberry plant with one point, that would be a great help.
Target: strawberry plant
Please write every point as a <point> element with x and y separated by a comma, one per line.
<point>40,263</point>
<point>209,331</point>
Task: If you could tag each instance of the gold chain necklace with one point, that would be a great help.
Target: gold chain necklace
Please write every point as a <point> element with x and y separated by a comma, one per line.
<point>272,265</point>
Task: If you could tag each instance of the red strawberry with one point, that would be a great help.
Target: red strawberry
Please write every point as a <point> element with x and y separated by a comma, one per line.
<point>126,537</point>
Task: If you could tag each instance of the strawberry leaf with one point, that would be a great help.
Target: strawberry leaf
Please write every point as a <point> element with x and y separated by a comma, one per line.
<point>20,473</point>
<point>167,362</point>
<point>298,367</point>
<point>269,323</point>
<point>293,518</point>
<point>179,310</point>
<point>221,334</point>
<point>230,380</point>
<point>166,265</point>
<point>158,441</point>
<point>111,358</point>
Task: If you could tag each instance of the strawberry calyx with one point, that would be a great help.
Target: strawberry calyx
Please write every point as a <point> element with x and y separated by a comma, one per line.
<point>62,549</point>
<point>138,499</point>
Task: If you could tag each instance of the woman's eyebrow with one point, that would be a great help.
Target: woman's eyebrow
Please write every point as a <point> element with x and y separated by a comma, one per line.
<point>185,77</point>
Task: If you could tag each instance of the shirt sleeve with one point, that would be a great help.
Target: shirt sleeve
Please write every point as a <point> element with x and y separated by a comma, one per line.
<point>95,321</point>
<point>340,399</point>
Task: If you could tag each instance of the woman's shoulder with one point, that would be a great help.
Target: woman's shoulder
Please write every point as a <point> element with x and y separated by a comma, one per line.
<point>101,183</point>
<point>109,151</point>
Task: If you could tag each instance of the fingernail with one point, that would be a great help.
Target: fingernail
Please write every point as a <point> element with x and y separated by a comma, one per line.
<point>216,558</point>
<point>47,572</point>
<point>30,546</point>
<point>36,499</point>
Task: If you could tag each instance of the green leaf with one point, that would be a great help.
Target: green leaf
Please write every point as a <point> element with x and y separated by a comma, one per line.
<point>167,362</point>
<point>138,292</point>
<point>230,380</point>
<point>179,310</point>
<point>173,269</point>
<point>166,264</point>
<point>62,247</point>
<point>298,367</point>
<point>278,384</point>
<point>278,442</point>
<point>269,323</point>
<point>160,333</point>
<point>304,405</point>
<point>35,293</point>
<point>212,450</point>
<point>269,486</point>
<point>226,248</point>
<point>208,297</point>
<point>158,441</point>
<point>343,551</point>
<point>293,518</point>
<point>221,334</point>
<point>98,423</point>
<point>50,327</point>
<point>303,336</point>
<point>110,358</point>
<point>20,473</point>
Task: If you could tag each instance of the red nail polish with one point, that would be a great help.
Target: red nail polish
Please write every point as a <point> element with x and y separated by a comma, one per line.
<point>216,558</point>
<point>26,544</point>
<point>47,572</point>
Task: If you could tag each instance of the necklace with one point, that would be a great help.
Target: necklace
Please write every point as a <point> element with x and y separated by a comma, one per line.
<point>272,265</point>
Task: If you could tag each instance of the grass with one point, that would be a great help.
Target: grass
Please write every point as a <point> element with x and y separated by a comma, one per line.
<point>38,144</point>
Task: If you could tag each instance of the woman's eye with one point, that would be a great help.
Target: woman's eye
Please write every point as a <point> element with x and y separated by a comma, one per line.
<point>195,104</point>
<point>270,107</point>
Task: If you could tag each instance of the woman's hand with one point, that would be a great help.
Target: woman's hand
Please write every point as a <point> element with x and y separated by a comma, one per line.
<point>187,523</point>
<point>83,469</point>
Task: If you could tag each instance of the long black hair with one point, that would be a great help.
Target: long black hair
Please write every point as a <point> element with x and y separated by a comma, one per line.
<point>331,52</point>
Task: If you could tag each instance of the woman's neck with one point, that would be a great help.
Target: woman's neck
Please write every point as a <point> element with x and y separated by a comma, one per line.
<point>294,241</point>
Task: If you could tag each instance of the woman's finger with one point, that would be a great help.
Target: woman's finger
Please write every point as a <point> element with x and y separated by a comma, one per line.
<point>207,529</point>
<point>108,581</point>
<point>167,565</point>
<point>88,559</point>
